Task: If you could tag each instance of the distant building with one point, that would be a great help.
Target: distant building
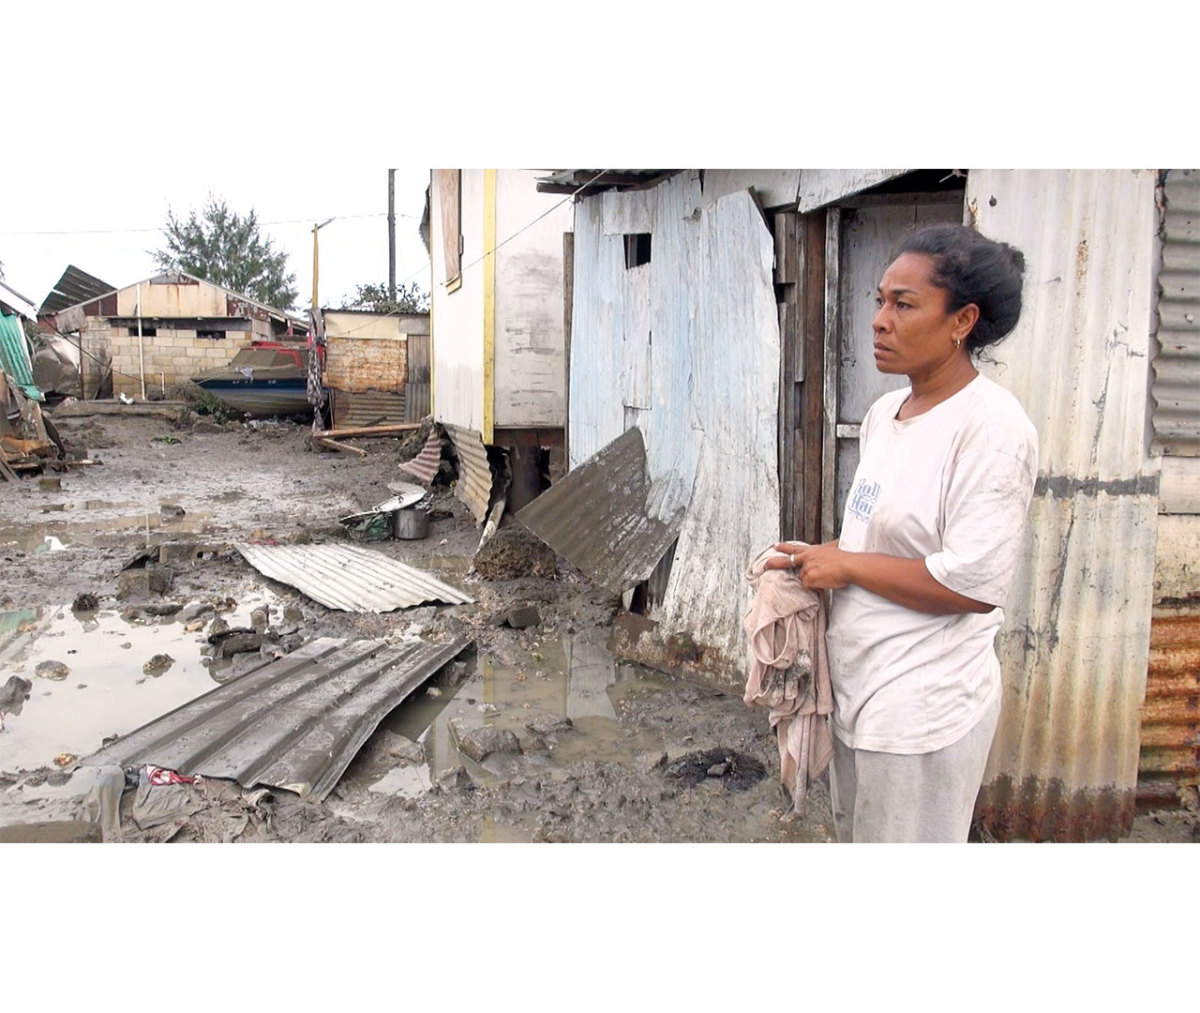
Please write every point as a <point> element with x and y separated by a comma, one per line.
<point>163,330</point>
<point>376,366</point>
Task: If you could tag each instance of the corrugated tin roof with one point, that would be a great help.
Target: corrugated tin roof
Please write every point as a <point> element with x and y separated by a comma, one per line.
<point>349,578</point>
<point>1177,365</point>
<point>425,465</point>
<point>591,181</point>
<point>474,485</point>
<point>74,287</point>
<point>295,723</point>
<point>16,302</point>
<point>176,277</point>
<point>596,517</point>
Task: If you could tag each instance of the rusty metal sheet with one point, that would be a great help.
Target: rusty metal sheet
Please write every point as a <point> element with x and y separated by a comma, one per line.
<point>596,516</point>
<point>295,723</point>
<point>352,409</point>
<point>1170,716</point>
<point>474,485</point>
<point>349,577</point>
<point>424,466</point>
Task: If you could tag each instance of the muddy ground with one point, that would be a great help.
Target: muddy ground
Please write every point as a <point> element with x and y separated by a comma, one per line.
<point>600,750</point>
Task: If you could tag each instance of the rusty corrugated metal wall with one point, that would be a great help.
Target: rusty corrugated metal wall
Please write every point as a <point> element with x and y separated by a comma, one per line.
<point>1170,754</point>
<point>416,388</point>
<point>1076,643</point>
<point>366,408</point>
<point>474,483</point>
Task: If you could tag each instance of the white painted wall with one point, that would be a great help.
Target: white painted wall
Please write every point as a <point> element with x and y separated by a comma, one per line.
<point>530,379</point>
<point>456,318</point>
<point>530,369</point>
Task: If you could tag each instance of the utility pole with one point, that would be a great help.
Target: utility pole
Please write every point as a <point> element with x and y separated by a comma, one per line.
<point>392,234</point>
<point>315,228</point>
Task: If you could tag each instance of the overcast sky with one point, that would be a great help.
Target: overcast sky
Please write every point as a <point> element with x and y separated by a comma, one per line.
<point>115,113</point>
<point>104,222</point>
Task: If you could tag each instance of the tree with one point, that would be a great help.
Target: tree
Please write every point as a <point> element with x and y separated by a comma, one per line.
<point>410,298</point>
<point>227,249</point>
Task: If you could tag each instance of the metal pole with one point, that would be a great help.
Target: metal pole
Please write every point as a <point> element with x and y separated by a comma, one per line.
<point>141,354</point>
<point>314,298</point>
<point>392,234</point>
<point>315,227</point>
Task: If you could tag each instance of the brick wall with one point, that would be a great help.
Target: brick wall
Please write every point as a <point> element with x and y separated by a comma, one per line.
<point>362,364</point>
<point>170,357</point>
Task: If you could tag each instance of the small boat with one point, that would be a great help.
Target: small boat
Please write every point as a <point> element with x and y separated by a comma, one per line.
<point>267,378</point>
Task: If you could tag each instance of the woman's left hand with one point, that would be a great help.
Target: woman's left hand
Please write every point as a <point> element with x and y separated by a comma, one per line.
<point>821,567</point>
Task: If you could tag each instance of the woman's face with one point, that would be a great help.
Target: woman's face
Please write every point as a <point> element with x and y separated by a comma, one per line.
<point>914,334</point>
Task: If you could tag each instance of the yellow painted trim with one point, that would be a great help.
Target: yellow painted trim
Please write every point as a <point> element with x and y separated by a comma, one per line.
<point>433,203</point>
<point>489,303</point>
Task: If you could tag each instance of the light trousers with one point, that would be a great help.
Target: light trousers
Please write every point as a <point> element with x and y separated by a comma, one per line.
<point>918,798</point>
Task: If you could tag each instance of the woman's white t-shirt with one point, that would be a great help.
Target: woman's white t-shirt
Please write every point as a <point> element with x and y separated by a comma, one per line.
<point>951,486</point>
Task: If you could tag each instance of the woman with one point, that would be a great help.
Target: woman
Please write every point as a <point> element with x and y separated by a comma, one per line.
<point>928,547</point>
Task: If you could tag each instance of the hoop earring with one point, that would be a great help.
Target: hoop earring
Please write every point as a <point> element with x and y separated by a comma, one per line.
<point>958,342</point>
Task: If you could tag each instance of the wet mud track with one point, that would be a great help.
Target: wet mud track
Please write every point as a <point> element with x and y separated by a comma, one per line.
<point>536,734</point>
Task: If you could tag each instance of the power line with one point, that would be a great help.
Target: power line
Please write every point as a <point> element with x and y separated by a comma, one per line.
<point>568,197</point>
<point>109,232</point>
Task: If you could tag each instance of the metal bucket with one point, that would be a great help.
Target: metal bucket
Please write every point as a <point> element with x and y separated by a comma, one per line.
<point>410,524</point>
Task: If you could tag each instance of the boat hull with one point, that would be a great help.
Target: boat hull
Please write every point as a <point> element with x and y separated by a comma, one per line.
<point>260,398</point>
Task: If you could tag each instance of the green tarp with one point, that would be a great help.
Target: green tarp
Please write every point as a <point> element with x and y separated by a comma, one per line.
<point>14,356</point>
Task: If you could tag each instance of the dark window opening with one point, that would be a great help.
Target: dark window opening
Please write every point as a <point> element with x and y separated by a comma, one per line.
<point>637,249</point>
<point>147,332</point>
<point>211,335</point>
<point>923,181</point>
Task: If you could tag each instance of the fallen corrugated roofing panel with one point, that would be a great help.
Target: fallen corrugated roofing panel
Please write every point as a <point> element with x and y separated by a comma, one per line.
<point>474,485</point>
<point>348,577</point>
<point>295,723</point>
<point>596,516</point>
<point>425,465</point>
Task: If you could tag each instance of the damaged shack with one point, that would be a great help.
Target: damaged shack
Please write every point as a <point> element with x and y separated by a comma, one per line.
<point>24,440</point>
<point>376,367</point>
<point>161,331</point>
<point>726,316</point>
<point>500,270</point>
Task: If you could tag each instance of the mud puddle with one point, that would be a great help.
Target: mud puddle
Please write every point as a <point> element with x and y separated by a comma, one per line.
<point>573,678</point>
<point>98,674</point>
<point>104,532</point>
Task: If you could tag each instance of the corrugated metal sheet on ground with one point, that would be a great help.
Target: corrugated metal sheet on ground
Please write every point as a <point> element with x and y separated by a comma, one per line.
<point>352,409</point>
<point>596,518</point>
<point>1075,645</point>
<point>425,465</point>
<point>1170,753</point>
<point>349,577</point>
<point>295,723</point>
<point>474,485</point>
<point>1177,364</point>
